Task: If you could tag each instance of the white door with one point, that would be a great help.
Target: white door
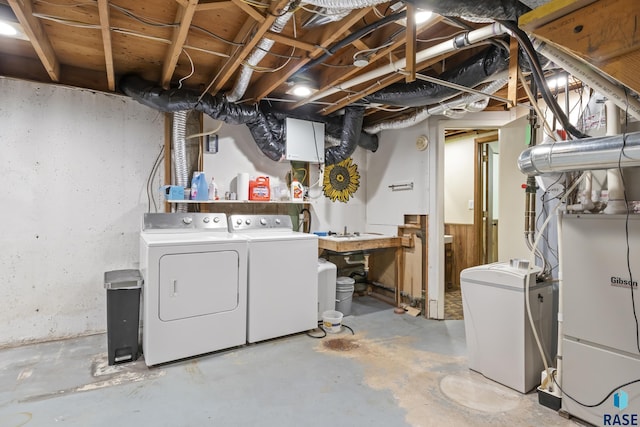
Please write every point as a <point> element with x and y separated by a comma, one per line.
<point>197,284</point>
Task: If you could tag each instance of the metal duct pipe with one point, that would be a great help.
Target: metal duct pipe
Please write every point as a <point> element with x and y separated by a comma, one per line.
<point>590,77</point>
<point>472,9</point>
<point>324,16</point>
<point>178,131</point>
<point>584,154</point>
<point>259,52</point>
<point>615,183</point>
<point>424,113</point>
<point>455,43</point>
<point>338,4</point>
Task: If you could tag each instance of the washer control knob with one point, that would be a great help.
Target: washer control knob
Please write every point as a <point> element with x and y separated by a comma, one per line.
<point>263,221</point>
<point>248,221</point>
<point>239,221</point>
<point>206,219</point>
<point>187,220</point>
<point>216,219</point>
<point>278,221</point>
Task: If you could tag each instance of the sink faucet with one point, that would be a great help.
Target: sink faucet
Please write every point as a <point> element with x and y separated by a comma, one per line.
<point>345,230</point>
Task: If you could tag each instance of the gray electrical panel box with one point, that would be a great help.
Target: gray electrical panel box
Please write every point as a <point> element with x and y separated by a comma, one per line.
<point>304,141</point>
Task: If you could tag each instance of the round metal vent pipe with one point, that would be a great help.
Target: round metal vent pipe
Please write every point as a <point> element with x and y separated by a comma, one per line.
<point>584,154</point>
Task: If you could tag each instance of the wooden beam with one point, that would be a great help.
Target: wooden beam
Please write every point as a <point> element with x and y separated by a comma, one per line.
<point>410,48</point>
<point>230,67</point>
<point>246,8</point>
<point>598,31</point>
<point>380,83</point>
<point>550,11</point>
<point>33,28</point>
<point>512,90</point>
<point>333,77</point>
<point>279,38</point>
<point>218,4</point>
<point>105,28</point>
<point>184,17</point>
<point>268,83</point>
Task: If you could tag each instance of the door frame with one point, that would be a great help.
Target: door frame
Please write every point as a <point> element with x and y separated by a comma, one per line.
<point>437,127</point>
<point>479,197</point>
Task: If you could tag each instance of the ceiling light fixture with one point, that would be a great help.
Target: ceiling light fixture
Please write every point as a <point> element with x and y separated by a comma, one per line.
<point>557,82</point>
<point>301,90</point>
<point>360,59</point>
<point>422,16</point>
<point>301,86</point>
<point>7,30</point>
<point>9,25</point>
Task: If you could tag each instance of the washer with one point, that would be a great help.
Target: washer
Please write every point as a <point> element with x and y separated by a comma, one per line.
<point>195,286</point>
<point>282,278</point>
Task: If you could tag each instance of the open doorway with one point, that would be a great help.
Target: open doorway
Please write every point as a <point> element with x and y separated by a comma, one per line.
<point>471,158</point>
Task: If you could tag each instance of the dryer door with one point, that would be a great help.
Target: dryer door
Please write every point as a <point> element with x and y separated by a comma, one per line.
<point>198,284</point>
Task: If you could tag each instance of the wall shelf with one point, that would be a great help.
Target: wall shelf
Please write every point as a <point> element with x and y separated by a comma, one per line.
<point>211,202</point>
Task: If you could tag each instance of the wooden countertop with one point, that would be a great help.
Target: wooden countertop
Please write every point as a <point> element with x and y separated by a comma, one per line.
<point>366,242</point>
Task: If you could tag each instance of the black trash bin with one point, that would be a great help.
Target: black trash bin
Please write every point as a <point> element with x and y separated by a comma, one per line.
<point>123,314</point>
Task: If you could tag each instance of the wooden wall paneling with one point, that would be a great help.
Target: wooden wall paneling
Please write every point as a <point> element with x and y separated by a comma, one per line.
<point>414,258</point>
<point>464,249</point>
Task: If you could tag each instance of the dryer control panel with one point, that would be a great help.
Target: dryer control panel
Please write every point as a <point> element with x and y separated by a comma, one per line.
<point>163,222</point>
<point>260,222</point>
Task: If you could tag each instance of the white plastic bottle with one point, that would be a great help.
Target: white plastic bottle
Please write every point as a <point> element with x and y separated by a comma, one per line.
<point>297,191</point>
<point>213,191</point>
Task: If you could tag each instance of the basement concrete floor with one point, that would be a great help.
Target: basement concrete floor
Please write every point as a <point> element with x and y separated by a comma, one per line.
<point>396,370</point>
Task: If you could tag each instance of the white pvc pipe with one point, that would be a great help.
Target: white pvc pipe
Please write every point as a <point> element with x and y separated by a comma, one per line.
<point>472,37</point>
<point>616,203</point>
<point>560,304</point>
<point>585,73</point>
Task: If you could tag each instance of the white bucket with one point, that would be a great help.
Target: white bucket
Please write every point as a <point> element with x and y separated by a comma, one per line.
<point>344,294</point>
<point>332,321</point>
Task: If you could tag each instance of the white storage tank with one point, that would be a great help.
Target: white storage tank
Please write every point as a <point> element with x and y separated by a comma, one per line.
<point>327,275</point>
<point>500,342</point>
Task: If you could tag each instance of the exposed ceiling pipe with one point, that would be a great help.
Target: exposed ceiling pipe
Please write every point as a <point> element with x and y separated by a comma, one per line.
<point>615,182</point>
<point>259,52</point>
<point>357,35</point>
<point>455,43</point>
<point>584,154</point>
<point>178,132</point>
<point>324,16</point>
<point>590,77</point>
<point>509,10</point>
<point>434,110</point>
<point>429,90</point>
<point>267,128</point>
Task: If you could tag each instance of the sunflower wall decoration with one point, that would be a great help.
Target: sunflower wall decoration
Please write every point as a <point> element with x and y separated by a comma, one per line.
<point>341,180</point>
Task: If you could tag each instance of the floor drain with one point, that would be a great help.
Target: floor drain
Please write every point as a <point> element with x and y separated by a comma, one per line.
<point>340,344</point>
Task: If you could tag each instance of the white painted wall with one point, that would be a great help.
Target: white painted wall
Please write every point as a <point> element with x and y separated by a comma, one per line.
<point>74,165</point>
<point>397,161</point>
<point>238,152</point>
<point>512,142</point>
<point>459,180</point>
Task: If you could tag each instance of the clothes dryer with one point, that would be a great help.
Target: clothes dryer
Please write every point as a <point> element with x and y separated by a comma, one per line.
<point>195,286</point>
